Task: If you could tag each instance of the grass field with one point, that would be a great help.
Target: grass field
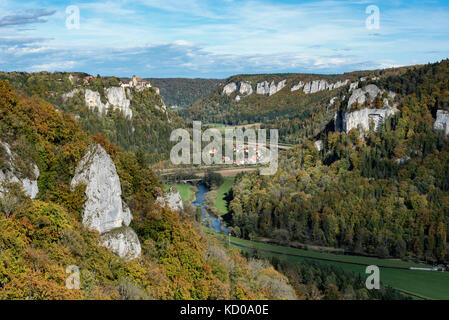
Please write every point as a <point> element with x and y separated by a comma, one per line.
<point>220,203</point>
<point>185,190</point>
<point>425,284</point>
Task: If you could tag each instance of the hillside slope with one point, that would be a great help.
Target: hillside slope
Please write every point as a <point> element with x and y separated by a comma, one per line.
<point>131,114</point>
<point>180,92</point>
<point>379,186</point>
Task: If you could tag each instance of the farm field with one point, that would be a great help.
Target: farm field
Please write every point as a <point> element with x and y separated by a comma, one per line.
<point>424,284</point>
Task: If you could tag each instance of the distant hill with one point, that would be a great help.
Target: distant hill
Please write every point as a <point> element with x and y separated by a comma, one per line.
<point>300,105</point>
<point>184,92</point>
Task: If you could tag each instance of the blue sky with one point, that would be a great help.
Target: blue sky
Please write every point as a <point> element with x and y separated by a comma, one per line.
<point>216,39</point>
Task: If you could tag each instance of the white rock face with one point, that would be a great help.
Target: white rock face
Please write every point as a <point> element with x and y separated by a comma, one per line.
<point>117,98</point>
<point>363,118</point>
<point>245,89</point>
<point>360,95</point>
<point>70,94</point>
<point>93,100</point>
<point>264,88</point>
<point>10,175</point>
<point>353,86</point>
<point>319,145</point>
<point>442,122</point>
<point>321,85</point>
<point>229,88</point>
<point>104,209</point>
<point>331,103</point>
<point>123,242</point>
<point>237,98</point>
<point>172,199</point>
<point>298,86</point>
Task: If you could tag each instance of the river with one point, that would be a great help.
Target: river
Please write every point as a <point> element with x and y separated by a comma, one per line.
<point>213,222</point>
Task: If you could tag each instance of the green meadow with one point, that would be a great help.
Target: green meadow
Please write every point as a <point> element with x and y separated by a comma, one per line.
<point>424,284</point>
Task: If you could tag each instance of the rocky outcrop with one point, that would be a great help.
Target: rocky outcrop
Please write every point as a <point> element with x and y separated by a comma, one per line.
<point>360,95</point>
<point>362,119</point>
<point>229,88</point>
<point>321,85</point>
<point>265,88</point>
<point>117,98</point>
<point>245,89</point>
<point>368,117</point>
<point>331,103</point>
<point>70,94</point>
<point>172,199</point>
<point>104,209</point>
<point>298,86</point>
<point>123,242</point>
<point>442,122</point>
<point>353,86</point>
<point>93,100</point>
<point>11,174</point>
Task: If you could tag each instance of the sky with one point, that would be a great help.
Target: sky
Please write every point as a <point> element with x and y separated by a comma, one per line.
<point>220,38</point>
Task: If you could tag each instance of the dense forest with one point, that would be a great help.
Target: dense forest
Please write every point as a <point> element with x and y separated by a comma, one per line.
<point>184,92</point>
<point>384,193</point>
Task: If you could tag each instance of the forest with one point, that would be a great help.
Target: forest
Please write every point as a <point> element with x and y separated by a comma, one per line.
<point>383,193</point>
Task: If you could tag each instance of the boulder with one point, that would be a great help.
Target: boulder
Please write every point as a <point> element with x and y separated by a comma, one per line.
<point>123,242</point>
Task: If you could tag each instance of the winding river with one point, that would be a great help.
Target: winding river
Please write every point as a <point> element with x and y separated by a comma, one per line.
<point>213,222</point>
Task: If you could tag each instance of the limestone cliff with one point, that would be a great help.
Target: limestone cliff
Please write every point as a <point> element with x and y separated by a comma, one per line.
<point>265,88</point>
<point>442,122</point>
<point>117,98</point>
<point>11,174</point>
<point>368,117</point>
<point>104,209</point>
<point>93,100</point>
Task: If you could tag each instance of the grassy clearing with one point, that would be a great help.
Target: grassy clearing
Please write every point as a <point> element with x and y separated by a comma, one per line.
<point>426,284</point>
<point>220,202</point>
